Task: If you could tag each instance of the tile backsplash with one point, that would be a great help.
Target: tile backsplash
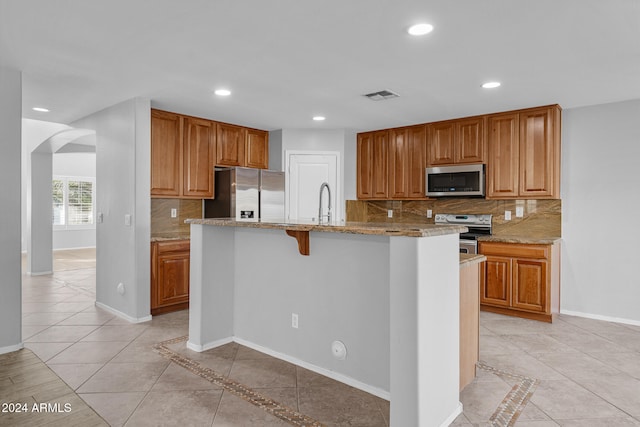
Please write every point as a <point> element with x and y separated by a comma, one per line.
<point>162,225</point>
<point>542,218</point>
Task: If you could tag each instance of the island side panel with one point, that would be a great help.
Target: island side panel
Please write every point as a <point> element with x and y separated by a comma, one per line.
<point>340,292</point>
<point>424,318</point>
<point>211,286</point>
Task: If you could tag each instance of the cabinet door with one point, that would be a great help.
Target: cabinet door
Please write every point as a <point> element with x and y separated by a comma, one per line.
<point>364,165</point>
<point>538,165</point>
<point>198,154</point>
<point>380,164</point>
<point>257,149</point>
<point>469,141</point>
<point>417,161</point>
<point>441,143</point>
<point>529,284</point>
<point>230,145</point>
<point>166,154</point>
<point>398,163</point>
<point>503,161</point>
<point>495,286</point>
<point>173,279</point>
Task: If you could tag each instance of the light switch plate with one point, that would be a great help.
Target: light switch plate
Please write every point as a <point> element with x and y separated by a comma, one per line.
<point>174,213</point>
<point>429,213</point>
<point>390,213</point>
<point>519,211</point>
<point>507,215</point>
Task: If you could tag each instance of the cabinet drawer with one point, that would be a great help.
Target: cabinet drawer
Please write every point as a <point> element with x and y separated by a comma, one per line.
<point>173,246</point>
<point>515,250</point>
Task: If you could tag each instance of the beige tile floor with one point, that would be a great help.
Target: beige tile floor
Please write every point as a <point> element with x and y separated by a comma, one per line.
<point>588,370</point>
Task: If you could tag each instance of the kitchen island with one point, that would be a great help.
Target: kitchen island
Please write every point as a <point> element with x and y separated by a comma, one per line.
<point>388,292</point>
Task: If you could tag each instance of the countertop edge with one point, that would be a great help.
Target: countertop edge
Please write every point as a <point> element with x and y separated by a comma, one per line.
<point>471,259</point>
<point>532,240</point>
<point>366,228</point>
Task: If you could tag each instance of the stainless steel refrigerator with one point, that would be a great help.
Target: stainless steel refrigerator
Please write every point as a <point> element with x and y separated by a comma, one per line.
<point>247,194</point>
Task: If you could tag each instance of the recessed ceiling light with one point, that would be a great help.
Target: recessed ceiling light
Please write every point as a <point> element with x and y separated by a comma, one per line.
<point>222,92</point>
<point>319,118</point>
<point>420,29</point>
<point>491,85</point>
<point>40,109</point>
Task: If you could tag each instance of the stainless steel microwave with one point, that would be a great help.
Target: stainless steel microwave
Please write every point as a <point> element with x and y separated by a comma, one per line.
<point>459,180</point>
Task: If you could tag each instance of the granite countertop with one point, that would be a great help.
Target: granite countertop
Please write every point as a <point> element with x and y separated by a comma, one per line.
<point>385,229</point>
<point>469,259</point>
<point>526,239</point>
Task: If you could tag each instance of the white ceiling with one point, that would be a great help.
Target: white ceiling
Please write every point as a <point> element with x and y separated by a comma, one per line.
<point>288,60</point>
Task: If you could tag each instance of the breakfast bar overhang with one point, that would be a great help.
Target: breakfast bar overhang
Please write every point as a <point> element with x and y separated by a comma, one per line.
<point>389,293</point>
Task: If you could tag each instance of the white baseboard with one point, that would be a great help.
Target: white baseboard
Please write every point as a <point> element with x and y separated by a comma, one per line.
<point>453,416</point>
<point>123,315</point>
<point>39,273</point>
<point>600,317</point>
<point>11,348</point>
<point>383,394</point>
<point>74,248</point>
<point>208,346</point>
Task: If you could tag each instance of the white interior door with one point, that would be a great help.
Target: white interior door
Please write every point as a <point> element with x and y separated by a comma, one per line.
<point>307,172</point>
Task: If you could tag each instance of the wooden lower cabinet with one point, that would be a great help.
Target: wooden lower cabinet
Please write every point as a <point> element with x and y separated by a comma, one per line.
<point>521,279</point>
<point>169,276</point>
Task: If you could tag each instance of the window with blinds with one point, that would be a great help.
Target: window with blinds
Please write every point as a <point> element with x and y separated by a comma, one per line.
<point>73,202</point>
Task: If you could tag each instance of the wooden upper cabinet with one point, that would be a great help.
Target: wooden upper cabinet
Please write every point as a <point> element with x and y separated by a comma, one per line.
<point>441,143</point>
<point>524,154</point>
<point>257,149</point>
<point>417,158</point>
<point>407,162</point>
<point>398,163</point>
<point>364,165</point>
<point>540,153</point>
<point>521,150</point>
<point>230,145</point>
<point>166,154</point>
<point>380,165</point>
<point>457,141</point>
<point>503,165</point>
<point>469,145</point>
<point>199,148</point>
<point>372,165</point>
<point>391,164</point>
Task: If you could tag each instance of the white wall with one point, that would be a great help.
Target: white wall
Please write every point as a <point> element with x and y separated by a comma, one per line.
<point>10,174</point>
<point>123,138</point>
<point>75,165</point>
<point>34,132</point>
<point>600,182</point>
<point>340,140</point>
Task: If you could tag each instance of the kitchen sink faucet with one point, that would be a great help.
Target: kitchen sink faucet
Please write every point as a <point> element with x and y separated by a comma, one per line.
<point>328,215</point>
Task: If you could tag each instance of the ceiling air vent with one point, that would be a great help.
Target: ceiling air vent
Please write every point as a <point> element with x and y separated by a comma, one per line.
<point>381,95</point>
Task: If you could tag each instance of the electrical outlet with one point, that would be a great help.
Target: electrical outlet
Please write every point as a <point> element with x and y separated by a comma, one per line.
<point>390,213</point>
<point>519,211</point>
<point>507,215</point>
<point>294,320</point>
<point>174,213</point>
<point>429,213</point>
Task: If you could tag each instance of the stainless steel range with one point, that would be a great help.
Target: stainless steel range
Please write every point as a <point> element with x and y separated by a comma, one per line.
<point>478,225</point>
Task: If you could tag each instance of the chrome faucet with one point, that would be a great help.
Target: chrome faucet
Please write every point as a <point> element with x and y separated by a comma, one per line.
<point>328,215</point>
